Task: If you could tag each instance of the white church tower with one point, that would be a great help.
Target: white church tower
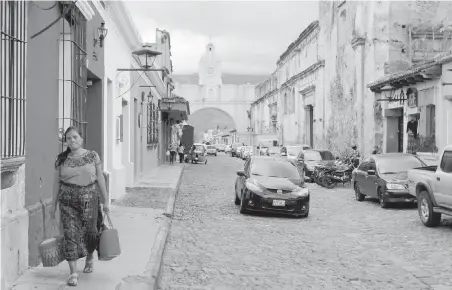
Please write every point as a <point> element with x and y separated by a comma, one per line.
<point>209,69</point>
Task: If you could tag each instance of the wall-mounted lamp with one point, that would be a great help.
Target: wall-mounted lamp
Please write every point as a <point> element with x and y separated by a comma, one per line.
<point>101,35</point>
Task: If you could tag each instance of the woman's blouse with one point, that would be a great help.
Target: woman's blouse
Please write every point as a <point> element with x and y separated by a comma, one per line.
<point>80,170</point>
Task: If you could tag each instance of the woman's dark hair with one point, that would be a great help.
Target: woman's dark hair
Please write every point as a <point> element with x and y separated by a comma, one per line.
<point>63,155</point>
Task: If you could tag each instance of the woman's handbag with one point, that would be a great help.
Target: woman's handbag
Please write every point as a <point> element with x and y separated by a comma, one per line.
<point>109,246</point>
<point>51,250</point>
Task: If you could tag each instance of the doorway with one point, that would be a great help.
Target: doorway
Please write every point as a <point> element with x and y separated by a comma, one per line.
<point>137,138</point>
<point>94,115</point>
<point>310,125</point>
<point>400,133</point>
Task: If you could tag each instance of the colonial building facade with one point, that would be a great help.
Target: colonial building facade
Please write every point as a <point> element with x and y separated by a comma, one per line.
<point>90,79</point>
<point>355,43</point>
<point>289,106</point>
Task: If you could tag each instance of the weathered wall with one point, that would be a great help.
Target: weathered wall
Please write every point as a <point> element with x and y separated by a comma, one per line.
<point>42,135</point>
<point>353,115</point>
<point>14,231</point>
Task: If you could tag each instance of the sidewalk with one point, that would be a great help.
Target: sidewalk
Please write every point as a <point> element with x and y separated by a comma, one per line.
<point>141,217</point>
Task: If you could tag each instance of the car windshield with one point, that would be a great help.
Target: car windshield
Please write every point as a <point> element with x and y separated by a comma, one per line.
<point>312,156</point>
<point>293,151</point>
<point>326,155</point>
<point>235,146</point>
<point>199,147</point>
<point>274,168</point>
<point>400,164</point>
<point>210,147</point>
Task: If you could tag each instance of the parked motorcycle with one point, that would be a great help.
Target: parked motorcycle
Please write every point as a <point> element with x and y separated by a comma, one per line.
<point>330,176</point>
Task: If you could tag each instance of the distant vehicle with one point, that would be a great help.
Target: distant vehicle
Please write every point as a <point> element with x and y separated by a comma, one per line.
<point>384,176</point>
<point>199,154</point>
<point>221,147</point>
<point>211,150</point>
<point>271,184</point>
<point>311,158</point>
<point>227,149</point>
<point>432,186</point>
<point>273,151</point>
<point>234,147</point>
<point>291,152</point>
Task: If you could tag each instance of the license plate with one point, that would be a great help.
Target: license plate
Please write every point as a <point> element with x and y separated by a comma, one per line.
<point>279,203</point>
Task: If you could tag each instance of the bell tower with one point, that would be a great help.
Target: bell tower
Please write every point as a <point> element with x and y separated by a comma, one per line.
<point>209,69</point>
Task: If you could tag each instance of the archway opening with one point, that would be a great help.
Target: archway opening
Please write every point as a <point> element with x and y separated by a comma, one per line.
<point>210,121</point>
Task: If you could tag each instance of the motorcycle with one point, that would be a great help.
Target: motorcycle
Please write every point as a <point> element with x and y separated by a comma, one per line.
<point>330,176</point>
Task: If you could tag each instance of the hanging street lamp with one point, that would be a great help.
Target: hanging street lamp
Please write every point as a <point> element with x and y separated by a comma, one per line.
<point>146,56</point>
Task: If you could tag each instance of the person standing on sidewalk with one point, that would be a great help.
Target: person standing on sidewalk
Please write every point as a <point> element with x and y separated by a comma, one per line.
<point>173,152</point>
<point>181,153</point>
<point>80,182</point>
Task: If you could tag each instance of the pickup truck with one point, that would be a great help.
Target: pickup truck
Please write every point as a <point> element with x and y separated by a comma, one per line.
<point>432,186</point>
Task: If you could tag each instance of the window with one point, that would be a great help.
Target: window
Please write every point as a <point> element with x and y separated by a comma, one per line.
<point>152,124</point>
<point>286,105</point>
<point>12,77</point>
<point>72,73</point>
<point>446,162</point>
<point>364,166</point>
<point>372,165</point>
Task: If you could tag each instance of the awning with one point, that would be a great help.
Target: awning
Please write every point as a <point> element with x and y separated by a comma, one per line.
<point>176,106</point>
<point>419,73</point>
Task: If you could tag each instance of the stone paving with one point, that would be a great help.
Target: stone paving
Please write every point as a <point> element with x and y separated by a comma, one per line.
<point>343,244</point>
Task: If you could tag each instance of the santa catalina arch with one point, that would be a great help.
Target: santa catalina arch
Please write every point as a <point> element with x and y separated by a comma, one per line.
<point>217,101</point>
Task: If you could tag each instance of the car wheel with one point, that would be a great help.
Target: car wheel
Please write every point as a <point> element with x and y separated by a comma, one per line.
<point>358,195</point>
<point>205,162</point>
<point>381,199</point>
<point>242,205</point>
<point>425,207</point>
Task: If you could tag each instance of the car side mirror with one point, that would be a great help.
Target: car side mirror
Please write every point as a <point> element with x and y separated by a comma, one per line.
<point>240,173</point>
<point>371,172</point>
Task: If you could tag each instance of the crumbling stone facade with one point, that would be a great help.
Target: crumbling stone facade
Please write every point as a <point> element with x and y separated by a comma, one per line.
<point>362,41</point>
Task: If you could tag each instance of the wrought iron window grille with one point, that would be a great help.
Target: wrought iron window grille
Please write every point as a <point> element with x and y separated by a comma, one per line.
<point>13,15</point>
<point>153,124</point>
<point>73,73</point>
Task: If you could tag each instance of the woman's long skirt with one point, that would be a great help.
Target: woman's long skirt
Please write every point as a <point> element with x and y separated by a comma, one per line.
<point>82,219</point>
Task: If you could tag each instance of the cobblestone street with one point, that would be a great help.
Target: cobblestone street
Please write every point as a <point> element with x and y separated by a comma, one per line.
<point>343,244</point>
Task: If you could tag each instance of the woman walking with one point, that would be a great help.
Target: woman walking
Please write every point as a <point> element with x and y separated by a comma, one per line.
<point>80,183</point>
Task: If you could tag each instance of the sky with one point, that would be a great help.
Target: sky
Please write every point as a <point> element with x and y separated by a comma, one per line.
<point>249,36</point>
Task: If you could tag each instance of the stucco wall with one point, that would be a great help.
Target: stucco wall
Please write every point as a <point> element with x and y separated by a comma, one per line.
<point>14,231</point>
<point>42,125</point>
<point>117,55</point>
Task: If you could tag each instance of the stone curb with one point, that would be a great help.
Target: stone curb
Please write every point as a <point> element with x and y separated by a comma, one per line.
<point>154,267</point>
<point>150,279</point>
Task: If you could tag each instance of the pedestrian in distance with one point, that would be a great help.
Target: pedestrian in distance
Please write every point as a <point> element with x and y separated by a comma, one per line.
<point>181,153</point>
<point>173,152</point>
<point>79,189</point>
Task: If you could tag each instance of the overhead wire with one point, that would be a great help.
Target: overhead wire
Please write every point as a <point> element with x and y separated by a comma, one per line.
<point>49,8</point>
<point>63,14</point>
<point>132,85</point>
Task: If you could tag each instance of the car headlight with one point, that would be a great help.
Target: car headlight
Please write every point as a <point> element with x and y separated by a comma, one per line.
<point>300,191</point>
<point>252,186</point>
<point>395,186</point>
